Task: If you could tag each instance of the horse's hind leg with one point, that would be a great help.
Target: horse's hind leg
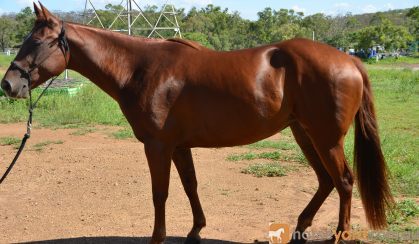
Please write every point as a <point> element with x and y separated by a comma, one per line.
<point>334,161</point>
<point>329,146</point>
<point>184,164</point>
<point>325,181</point>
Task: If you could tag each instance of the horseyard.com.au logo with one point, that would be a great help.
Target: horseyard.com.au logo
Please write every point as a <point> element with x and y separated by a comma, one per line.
<point>279,233</point>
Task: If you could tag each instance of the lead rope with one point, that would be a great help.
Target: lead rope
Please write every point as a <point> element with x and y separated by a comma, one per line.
<point>27,135</point>
<point>64,44</point>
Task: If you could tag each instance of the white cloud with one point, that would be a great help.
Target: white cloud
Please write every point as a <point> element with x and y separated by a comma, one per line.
<point>106,1</point>
<point>369,9</point>
<point>388,6</point>
<point>198,2</point>
<point>342,5</point>
<point>339,8</point>
<point>178,3</point>
<point>336,9</point>
<point>24,3</point>
<point>297,8</point>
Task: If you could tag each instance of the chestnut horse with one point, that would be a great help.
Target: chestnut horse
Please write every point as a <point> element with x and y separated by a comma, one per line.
<point>177,94</point>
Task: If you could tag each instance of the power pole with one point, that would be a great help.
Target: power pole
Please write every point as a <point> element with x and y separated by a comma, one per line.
<point>129,11</point>
<point>136,19</point>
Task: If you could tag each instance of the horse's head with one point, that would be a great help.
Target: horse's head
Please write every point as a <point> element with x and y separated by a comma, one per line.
<point>42,55</point>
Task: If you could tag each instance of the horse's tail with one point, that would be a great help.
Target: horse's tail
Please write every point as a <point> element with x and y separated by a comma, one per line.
<point>369,162</point>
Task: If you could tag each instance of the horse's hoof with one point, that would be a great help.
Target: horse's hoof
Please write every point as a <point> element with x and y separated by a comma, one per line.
<point>156,241</point>
<point>193,240</point>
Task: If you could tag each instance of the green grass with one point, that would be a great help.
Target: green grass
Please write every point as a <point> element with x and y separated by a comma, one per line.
<point>287,150</point>
<point>90,106</point>
<point>397,103</point>
<point>280,144</point>
<point>5,61</point>
<point>10,141</point>
<point>292,156</point>
<point>252,156</point>
<point>125,133</point>
<point>400,218</point>
<point>265,170</point>
<point>83,131</point>
<point>42,145</point>
<point>393,60</point>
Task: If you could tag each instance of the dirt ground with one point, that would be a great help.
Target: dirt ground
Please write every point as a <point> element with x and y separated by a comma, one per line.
<point>96,189</point>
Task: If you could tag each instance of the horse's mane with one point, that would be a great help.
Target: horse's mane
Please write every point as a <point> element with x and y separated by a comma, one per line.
<point>191,44</point>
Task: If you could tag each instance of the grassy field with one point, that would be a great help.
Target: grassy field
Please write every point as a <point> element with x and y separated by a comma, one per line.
<point>5,61</point>
<point>394,60</point>
<point>396,98</point>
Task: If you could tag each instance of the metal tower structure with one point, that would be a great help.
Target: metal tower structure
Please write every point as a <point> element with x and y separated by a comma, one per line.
<point>129,17</point>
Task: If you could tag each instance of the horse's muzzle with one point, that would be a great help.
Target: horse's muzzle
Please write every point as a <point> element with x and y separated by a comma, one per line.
<point>20,91</point>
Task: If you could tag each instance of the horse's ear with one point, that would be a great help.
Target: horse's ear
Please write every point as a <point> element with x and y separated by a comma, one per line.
<point>38,11</point>
<point>47,14</point>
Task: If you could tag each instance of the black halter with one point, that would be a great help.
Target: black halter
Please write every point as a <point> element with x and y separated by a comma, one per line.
<point>65,48</point>
<point>62,44</point>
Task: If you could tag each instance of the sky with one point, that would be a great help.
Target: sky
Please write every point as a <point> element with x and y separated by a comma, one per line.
<point>247,8</point>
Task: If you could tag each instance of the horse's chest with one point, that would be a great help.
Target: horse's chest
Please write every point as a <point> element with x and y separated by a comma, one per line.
<point>153,104</point>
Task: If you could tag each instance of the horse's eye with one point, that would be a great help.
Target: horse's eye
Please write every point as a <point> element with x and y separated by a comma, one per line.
<point>37,42</point>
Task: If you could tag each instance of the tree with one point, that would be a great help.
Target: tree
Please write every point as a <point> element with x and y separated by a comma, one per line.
<point>341,30</point>
<point>198,37</point>
<point>385,34</point>
<point>222,29</point>
<point>25,20</point>
<point>320,24</point>
<point>216,27</point>
<point>413,15</point>
<point>273,26</point>
<point>7,27</point>
<point>377,19</point>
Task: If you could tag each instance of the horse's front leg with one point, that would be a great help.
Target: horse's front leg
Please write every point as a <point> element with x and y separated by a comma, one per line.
<point>159,160</point>
<point>184,164</point>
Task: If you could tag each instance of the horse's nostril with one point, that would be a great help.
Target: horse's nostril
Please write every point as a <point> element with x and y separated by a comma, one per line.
<point>6,86</point>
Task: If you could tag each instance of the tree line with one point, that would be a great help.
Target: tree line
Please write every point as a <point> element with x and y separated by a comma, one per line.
<point>221,29</point>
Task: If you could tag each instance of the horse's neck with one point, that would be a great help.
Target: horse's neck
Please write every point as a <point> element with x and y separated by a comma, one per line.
<point>102,57</point>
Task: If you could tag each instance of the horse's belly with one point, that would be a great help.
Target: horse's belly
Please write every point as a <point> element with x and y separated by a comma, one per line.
<point>229,126</point>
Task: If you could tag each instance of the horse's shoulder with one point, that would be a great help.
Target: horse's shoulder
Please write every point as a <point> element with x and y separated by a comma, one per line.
<point>191,44</point>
